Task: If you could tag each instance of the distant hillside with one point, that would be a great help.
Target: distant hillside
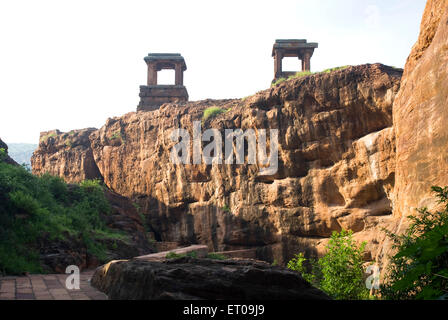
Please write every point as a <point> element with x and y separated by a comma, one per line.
<point>21,152</point>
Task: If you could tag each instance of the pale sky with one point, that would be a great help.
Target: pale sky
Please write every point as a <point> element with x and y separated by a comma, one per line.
<point>73,64</point>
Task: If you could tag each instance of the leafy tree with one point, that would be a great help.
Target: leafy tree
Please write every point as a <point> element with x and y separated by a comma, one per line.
<point>297,264</point>
<point>340,271</point>
<point>419,269</point>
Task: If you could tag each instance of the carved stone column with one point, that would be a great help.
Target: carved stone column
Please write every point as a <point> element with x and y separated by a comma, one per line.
<point>152,75</point>
<point>307,60</point>
<point>278,64</point>
<point>179,75</point>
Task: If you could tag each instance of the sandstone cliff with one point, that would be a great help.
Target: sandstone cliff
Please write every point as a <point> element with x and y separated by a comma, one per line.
<point>421,114</point>
<point>336,166</point>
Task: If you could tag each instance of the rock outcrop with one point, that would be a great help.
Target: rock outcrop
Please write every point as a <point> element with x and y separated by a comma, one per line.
<point>336,166</point>
<point>6,158</point>
<point>421,115</point>
<point>67,155</point>
<point>191,279</point>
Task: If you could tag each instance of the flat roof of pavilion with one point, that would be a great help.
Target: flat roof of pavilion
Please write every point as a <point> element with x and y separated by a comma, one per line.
<point>293,44</point>
<point>165,57</point>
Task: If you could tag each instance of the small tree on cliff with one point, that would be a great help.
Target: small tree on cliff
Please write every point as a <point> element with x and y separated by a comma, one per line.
<point>419,269</point>
<point>339,272</point>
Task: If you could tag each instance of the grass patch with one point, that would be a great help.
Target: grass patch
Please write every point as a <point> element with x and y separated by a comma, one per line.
<point>306,73</point>
<point>300,75</point>
<point>46,137</point>
<point>212,112</point>
<point>174,255</point>
<point>334,69</point>
<point>34,207</point>
<point>216,256</point>
<point>117,136</point>
<point>278,81</point>
<point>226,208</point>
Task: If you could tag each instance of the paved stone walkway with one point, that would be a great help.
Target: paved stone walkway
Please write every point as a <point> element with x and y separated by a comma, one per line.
<point>47,287</point>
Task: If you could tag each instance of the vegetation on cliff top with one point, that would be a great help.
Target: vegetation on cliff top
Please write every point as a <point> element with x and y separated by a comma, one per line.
<point>301,74</point>
<point>33,208</point>
<point>212,112</point>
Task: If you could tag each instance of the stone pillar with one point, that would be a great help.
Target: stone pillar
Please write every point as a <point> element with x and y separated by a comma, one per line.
<point>179,75</point>
<point>278,64</point>
<point>152,75</point>
<point>307,60</point>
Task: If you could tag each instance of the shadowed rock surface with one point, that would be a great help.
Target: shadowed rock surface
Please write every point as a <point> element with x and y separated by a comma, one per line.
<point>190,279</point>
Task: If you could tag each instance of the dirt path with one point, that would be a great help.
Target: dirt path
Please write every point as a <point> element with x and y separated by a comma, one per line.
<point>47,287</point>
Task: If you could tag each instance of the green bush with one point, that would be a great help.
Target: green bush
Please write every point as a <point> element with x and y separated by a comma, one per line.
<point>278,81</point>
<point>32,207</point>
<point>297,264</point>
<point>419,269</point>
<point>342,268</point>
<point>212,112</point>
<point>339,272</point>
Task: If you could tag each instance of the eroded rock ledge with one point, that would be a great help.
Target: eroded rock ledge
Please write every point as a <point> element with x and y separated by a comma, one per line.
<point>190,279</point>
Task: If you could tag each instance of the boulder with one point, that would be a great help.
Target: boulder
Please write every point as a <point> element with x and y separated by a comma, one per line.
<point>190,279</point>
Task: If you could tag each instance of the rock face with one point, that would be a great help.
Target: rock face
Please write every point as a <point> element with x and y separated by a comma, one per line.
<point>191,279</point>
<point>336,166</point>
<point>421,115</point>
